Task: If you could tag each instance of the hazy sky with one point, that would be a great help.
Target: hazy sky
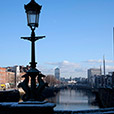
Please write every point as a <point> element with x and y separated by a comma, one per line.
<point>78,34</point>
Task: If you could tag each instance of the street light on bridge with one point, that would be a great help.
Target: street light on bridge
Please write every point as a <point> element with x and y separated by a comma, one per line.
<point>32,93</point>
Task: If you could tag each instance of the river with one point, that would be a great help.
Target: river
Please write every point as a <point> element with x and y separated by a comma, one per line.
<point>74,100</point>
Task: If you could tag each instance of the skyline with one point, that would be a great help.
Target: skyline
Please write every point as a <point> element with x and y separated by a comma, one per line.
<point>78,34</point>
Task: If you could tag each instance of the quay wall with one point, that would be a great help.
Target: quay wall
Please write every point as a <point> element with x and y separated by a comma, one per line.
<point>105,96</point>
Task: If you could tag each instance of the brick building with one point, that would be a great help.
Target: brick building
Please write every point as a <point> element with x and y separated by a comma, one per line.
<point>10,78</point>
<point>3,75</point>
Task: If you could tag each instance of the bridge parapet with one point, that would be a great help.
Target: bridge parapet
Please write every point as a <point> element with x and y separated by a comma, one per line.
<point>93,111</point>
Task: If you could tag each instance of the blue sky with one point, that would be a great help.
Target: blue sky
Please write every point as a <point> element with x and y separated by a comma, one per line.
<point>78,34</point>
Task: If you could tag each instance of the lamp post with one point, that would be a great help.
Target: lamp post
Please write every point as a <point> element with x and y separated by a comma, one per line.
<point>33,95</point>
<point>33,11</point>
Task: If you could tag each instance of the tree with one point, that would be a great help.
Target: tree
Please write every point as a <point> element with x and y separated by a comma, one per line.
<point>51,80</point>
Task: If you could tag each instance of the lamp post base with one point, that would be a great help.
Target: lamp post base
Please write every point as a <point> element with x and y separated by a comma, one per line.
<point>33,92</point>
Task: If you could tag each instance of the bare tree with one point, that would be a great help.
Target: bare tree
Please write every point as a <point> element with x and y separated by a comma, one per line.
<point>51,80</point>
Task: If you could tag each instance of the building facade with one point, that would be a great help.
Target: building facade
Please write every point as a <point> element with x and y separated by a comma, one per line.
<point>92,74</point>
<point>3,75</point>
<point>10,79</point>
<point>57,73</point>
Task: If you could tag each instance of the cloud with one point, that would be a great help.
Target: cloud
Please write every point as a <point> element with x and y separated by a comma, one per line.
<point>68,69</point>
<point>109,68</point>
<point>72,69</point>
<point>64,64</point>
<point>45,70</point>
<point>98,61</point>
<point>108,64</point>
<point>93,61</point>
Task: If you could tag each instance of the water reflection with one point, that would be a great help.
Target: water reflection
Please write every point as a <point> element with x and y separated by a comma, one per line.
<point>74,100</point>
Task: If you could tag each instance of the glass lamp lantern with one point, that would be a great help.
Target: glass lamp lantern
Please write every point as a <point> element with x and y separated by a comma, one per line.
<point>33,11</point>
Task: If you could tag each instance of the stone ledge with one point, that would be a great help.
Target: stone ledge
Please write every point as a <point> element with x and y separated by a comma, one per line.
<point>91,111</point>
<point>26,108</point>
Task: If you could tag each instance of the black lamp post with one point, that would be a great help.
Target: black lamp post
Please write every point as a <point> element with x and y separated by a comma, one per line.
<point>32,11</point>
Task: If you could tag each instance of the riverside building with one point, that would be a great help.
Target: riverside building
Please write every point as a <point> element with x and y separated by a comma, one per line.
<point>92,73</point>
<point>57,73</point>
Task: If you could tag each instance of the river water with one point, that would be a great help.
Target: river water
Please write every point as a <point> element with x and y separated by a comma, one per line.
<point>74,100</point>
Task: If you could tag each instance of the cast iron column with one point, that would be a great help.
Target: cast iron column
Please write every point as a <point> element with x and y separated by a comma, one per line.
<point>33,63</point>
<point>33,66</point>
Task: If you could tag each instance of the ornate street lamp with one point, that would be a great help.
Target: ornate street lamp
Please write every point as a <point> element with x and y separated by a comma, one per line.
<point>33,11</point>
<point>35,100</point>
<point>32,93</point>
